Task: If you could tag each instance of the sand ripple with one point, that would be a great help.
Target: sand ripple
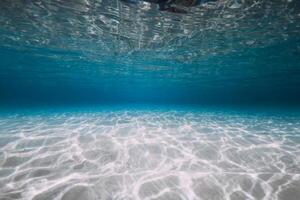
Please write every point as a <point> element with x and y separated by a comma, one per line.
<point>149,155</point>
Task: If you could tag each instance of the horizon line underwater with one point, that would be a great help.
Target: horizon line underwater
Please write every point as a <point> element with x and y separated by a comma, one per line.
<point>150,100</point>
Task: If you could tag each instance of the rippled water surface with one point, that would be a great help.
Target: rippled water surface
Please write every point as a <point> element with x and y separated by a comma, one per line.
<point>149,155</point>
<point>106,27</point>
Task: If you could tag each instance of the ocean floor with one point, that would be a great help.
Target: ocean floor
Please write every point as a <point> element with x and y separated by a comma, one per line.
<point>172,155</point>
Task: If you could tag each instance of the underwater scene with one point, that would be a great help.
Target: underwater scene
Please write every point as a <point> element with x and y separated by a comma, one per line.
<point>149,99</point>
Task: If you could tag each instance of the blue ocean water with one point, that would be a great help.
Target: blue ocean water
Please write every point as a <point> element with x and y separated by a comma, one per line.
<point>103,99</point>
<point>90,52</point>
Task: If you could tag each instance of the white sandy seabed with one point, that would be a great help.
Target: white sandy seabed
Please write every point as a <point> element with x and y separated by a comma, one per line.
<point>149,155</point>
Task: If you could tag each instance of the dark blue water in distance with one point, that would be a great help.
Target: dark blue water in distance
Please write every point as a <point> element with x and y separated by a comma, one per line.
<point>268,75</point>
<point>105,99</point>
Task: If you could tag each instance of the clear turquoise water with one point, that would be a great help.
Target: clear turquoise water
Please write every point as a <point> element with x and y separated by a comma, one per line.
<point>90,52</point>
<point>106,100</point>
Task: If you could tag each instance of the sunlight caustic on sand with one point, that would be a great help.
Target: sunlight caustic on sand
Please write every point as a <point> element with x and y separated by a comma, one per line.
<point>149,155</point>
